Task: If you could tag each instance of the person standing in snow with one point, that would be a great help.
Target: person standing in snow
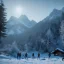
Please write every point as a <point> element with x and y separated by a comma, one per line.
<point>63,59</point>
<point>49,54</point>
<point>38,55</point>
<point>26,55</point>
<point>18,55</point>
<point>32,55</point>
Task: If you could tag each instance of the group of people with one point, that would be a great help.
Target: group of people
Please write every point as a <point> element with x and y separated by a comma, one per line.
<point>33,56</point>
<point>26,55</point>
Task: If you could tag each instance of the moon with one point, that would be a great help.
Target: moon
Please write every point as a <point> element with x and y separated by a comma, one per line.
<point>18,11</point>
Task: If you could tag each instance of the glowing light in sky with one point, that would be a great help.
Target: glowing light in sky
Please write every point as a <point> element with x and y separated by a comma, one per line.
<point>18,11</point>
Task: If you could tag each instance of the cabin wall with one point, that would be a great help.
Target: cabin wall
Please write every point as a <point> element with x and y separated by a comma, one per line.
<point>58,53</point>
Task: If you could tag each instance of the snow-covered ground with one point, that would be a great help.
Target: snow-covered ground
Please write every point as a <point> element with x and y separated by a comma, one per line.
<point>32,61</point>
<point>43,60</point>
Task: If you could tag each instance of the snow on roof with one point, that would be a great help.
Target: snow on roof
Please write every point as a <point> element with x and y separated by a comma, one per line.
<point>58,49</point>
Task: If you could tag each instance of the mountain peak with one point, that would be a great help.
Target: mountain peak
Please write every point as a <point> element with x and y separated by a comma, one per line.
<point>55,9</point>
<point>13,18</point>
<point>33,21</point>
<point>63,9</point>
<point>56,13</point>
<point>23,17</point>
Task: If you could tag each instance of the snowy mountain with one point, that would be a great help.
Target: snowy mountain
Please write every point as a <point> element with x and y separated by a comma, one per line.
<point>16,26</point>
<point>55,13</point>
<point>44,36</point>
<point>24,20</point>
<point>40,32</point>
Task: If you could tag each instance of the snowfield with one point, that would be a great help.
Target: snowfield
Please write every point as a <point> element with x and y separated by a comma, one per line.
<point>43,60</point>
<point>32,61</point>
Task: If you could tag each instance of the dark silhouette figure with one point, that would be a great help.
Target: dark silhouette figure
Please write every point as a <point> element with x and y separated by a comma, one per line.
<point>38,55</point>
<point>26,55</point>
<point>63,59</point>
<point>49,54</point>
<point>32,55</point>
<point>18,55</point>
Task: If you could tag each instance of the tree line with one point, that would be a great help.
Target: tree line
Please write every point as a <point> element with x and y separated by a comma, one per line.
<point>2,21</point>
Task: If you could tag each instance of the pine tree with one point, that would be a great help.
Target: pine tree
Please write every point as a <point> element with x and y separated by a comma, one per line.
<point>62,29</point>
<point>62,15</point>
<point>2,21</point>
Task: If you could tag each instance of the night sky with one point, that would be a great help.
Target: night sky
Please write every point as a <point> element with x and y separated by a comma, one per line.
<point>33,9</point>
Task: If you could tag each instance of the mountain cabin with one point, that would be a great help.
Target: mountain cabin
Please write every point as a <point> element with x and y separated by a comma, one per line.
<point>58,52</point>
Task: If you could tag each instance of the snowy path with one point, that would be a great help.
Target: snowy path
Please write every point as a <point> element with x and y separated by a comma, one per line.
<point>32,61</point>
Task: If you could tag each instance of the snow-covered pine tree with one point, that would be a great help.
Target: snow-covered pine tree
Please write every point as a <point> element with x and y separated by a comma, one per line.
<point>2,20</point>
<point>62,29</point>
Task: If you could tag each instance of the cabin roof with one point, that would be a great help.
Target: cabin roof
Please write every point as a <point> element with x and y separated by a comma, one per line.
<point>58,49</point>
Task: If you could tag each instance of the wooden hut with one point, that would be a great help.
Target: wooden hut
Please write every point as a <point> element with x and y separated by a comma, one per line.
<point>58,52</point>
